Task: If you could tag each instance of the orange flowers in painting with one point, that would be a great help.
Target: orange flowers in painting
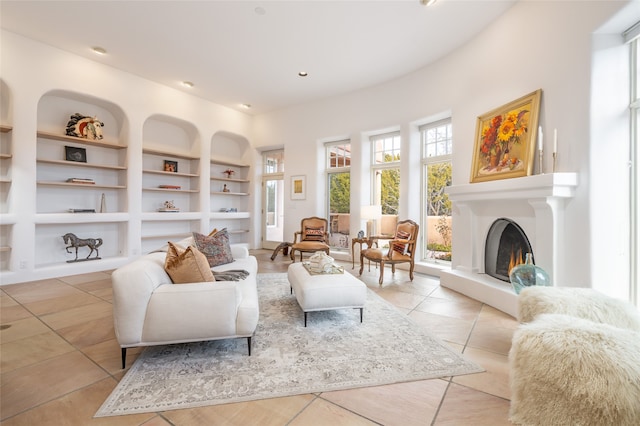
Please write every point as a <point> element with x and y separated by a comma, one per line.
<point>499,137</point>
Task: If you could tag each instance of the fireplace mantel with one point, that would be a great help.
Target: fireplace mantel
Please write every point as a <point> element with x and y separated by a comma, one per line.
<point>536,202</point>
<point>561,185</point>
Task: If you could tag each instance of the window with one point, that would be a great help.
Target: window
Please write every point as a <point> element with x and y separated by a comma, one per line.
<point>635,169</point>
<point>385,167</point>
<point>338,165</point>
<point>436,171</point>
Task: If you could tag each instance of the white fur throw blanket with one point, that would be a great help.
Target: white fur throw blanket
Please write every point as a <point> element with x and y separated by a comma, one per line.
<point>578,302</point>
<point>577,367</point>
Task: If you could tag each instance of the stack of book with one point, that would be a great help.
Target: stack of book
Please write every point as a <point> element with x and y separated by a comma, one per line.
<point>82,210</point>
<point>170,186</point>
<point>85,181</point>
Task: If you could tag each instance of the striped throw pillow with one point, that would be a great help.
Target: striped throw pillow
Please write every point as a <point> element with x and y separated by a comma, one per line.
<point>401,248</point>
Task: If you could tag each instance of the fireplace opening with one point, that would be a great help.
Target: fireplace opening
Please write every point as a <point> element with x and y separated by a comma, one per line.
<point>506,246</point>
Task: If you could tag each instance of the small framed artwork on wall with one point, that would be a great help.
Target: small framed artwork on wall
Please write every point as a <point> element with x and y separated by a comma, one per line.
<point>170,166</point>
<point>298,187</point>
<point>75,154</point>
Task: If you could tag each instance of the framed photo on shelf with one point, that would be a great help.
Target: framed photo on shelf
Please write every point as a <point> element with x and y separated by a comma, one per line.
<point>506,139</point>
<point>170,166</point>
<point>298,187</point>
<point>72,153</point>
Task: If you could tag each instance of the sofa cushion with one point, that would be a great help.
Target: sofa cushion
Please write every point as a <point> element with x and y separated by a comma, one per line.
<point>187,265</point>
<point>215,247</point>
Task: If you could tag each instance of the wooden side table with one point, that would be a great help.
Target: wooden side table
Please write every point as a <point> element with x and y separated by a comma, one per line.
<point>369,241</point>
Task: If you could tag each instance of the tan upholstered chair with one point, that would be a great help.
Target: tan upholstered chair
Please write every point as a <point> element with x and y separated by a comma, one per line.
<point>402,249</point>
<point>312,237</point>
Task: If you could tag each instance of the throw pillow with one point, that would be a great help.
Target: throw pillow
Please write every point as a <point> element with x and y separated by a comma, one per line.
<point>313,234</point>
<point>216,247</point>
<point>401,248</point>
<point>187,265</point>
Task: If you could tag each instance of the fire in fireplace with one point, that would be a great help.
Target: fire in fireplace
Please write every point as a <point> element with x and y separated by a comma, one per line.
<point>506,246</point>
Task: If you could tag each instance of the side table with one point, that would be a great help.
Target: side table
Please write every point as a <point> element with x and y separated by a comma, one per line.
<point>369,241</point>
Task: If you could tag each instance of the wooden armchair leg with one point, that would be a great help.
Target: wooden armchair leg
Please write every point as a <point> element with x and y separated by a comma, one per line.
<point>381,273</point>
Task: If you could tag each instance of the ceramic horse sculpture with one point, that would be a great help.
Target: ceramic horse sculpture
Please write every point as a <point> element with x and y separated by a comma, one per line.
<point>83,126</point>
<point>75,242</point>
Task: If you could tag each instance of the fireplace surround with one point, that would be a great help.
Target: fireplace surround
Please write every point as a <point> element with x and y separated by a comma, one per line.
<point>536,203</point>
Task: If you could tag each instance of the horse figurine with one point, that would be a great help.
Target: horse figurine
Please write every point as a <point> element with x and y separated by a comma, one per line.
<point>73,241</point>
<point>83,126</point>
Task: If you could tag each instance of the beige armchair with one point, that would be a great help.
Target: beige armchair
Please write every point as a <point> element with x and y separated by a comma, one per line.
<point>402,249</point>
<point>312,237</point>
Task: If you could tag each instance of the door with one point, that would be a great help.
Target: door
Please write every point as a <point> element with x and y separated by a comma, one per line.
<point>272,212</point>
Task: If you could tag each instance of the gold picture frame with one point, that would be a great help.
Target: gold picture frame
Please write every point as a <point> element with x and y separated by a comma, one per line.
<point>298,187</point>
<point>506,140</point>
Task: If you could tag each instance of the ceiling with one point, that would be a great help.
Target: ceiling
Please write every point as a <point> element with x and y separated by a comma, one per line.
<point>250,52</point>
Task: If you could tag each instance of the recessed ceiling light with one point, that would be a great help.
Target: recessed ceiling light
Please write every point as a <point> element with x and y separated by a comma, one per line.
<point>260,10</point>
<point>245,106</point>
<point>99,50</point>
<point>187,84</point>
<point>303,73</point>
<point>427,2</point>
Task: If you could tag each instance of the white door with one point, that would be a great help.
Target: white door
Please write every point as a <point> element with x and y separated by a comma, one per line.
<point>272,212</point>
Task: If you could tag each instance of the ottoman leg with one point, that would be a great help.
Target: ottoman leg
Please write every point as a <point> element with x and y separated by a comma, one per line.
<point>305,319</point>
<point>361,309</point>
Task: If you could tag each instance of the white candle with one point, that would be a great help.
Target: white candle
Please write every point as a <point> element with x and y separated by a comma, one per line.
<point>555,140</point>
<point>539,138</point>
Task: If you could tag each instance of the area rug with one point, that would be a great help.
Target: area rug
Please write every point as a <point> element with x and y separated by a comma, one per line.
<point>334,352</point>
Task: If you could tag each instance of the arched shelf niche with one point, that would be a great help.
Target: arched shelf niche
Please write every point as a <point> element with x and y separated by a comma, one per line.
<point>171,169</point>
<point>62,161</point>
<point>230,190</point>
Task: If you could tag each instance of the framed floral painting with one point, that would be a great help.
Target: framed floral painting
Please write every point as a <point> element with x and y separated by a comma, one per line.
<point>506,139</point>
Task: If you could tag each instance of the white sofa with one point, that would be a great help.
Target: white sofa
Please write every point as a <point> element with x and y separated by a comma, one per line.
<point>575,359</point>
<point>148,309</point>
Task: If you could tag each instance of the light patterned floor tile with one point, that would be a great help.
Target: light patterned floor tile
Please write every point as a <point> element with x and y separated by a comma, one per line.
<point>464,406</point>
<point>495,380</point>
<point>324,413</point>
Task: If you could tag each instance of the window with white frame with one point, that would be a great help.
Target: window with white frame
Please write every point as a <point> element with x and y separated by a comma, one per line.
<point>385,168</point>
<point>437,144</point>
<point>338,164</point>
<point>633,34</point>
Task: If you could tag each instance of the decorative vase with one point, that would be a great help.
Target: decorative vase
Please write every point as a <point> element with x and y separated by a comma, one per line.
<point>527,274</point>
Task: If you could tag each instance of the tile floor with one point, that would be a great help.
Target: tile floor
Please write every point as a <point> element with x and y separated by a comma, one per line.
<point>60,360</point>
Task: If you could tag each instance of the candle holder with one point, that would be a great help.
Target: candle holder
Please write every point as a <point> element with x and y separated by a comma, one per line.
<point>540,169</point>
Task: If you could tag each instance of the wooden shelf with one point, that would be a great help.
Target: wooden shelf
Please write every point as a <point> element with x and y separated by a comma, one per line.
<point>170,190</point>
<point>229,193</point>
<point>162,172</point>
<point>79,164</point>
<point>5,248</point>
<point>2,156</point>
<point>230,180</point>
<point>4,179</point>
<point>80,185</point>
<point>4,128</point>
<point>228,163</point>
<point>65,138</point>
<point>166,236</point>
<point>169,154</point>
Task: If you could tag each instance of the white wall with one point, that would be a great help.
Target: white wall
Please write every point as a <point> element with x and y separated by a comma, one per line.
<point>30,70</point>
<point>534,45</point>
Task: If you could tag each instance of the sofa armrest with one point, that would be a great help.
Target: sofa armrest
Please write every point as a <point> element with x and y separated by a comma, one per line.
<point>133,285</point>
<point>239,251</point>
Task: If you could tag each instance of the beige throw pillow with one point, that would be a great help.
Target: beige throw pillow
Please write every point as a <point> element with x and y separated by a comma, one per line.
<point>187,265</point>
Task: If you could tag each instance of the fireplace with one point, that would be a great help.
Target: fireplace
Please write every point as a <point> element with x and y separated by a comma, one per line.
<point>506,246</point>
<point>530,210</point>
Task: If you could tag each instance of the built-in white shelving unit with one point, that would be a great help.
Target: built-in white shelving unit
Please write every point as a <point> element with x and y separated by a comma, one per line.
<point>6,227</point>
<point>102,163</point>
<point>230,198</point>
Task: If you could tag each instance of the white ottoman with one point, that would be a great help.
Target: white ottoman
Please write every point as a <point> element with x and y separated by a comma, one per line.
<point>326,292</point>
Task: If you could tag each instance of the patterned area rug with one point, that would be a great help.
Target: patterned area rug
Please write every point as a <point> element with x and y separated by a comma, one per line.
<point>335,351</point>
